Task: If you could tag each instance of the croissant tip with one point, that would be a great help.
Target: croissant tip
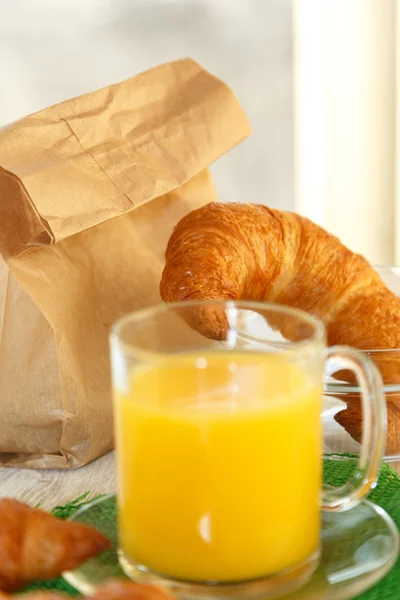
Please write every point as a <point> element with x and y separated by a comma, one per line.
<point>127,590</point>
<point>88,542</point>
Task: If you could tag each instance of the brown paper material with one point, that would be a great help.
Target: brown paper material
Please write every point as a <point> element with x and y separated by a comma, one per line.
<point>90,190</point>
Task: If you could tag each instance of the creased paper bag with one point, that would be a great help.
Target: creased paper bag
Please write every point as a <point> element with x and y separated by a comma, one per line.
<point>90,190</point>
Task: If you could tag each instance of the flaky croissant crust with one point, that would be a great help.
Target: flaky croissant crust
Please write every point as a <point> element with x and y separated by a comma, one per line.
<point>252,252</point>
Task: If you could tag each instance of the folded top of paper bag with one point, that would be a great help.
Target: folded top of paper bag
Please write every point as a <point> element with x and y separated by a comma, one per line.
<point>148,135</point>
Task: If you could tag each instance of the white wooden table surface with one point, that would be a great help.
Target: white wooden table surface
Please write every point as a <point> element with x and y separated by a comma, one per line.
<point>53,488</point>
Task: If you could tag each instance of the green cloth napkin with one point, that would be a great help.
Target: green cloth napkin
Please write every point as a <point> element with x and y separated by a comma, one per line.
<point>336,472</point>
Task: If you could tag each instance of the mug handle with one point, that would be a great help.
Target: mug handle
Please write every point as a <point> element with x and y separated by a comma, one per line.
<point>373,439</point>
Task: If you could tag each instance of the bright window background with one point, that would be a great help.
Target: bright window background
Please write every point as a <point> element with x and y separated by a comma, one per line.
<point>346,115</point>
<point>317,79</point>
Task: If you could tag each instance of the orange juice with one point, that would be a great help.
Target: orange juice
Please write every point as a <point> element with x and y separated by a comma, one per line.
<point>219,469</point>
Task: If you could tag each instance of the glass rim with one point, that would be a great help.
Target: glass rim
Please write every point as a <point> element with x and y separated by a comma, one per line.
<point>318,336</point>
<point>378,350</point>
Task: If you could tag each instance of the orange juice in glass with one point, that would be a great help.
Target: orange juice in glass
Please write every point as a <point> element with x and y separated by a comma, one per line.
<point>219,447</point>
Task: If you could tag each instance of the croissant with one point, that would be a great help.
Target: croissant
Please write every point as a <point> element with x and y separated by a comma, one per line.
<point>114,590</point>
<point>252,252</point>
<point>34,545</point>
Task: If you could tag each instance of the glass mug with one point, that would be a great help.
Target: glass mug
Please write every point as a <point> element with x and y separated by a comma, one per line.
<point>219,442</point>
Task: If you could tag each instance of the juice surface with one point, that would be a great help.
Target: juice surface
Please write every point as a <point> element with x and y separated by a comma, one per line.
<point>219,466</point>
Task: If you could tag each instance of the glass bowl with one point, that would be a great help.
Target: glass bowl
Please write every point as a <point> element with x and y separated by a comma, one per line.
<point>342,413</point>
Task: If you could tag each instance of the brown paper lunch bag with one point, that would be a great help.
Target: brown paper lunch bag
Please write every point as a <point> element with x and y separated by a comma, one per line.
<point>90,190</point>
